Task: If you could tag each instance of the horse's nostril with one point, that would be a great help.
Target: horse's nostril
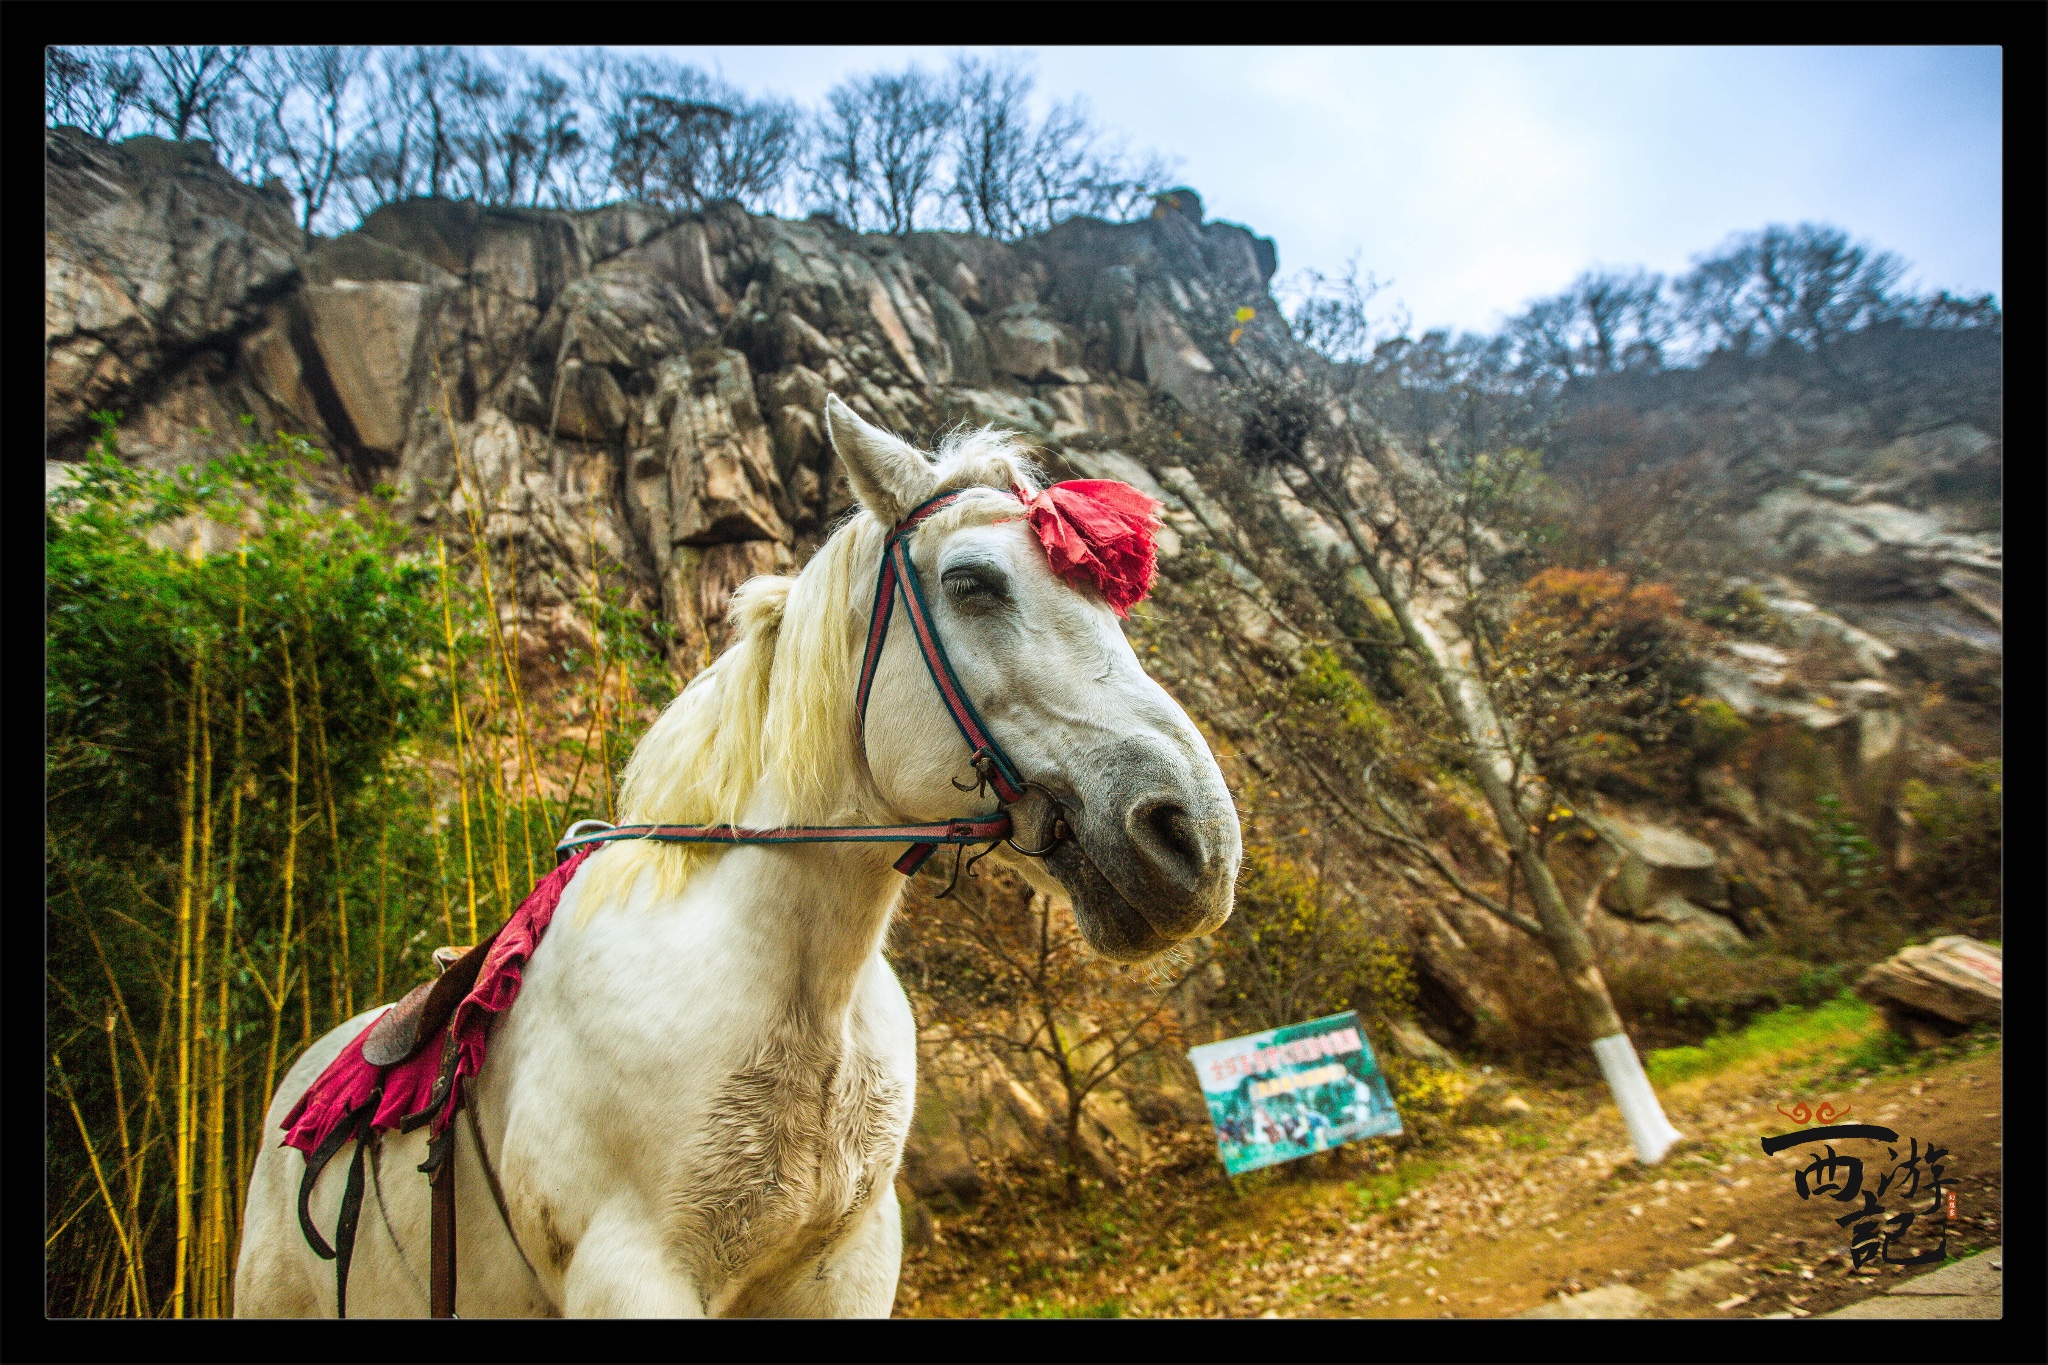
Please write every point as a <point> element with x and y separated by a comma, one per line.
<point>1170,839</point>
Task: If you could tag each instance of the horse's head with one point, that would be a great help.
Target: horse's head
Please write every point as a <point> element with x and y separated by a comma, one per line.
<point>1150,848</point>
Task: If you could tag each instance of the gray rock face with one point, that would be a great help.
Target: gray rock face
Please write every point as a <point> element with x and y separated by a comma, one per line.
<point>152,253</point>
<point>1657,862</point>
<point>620,376</point>
<point>644,389</point>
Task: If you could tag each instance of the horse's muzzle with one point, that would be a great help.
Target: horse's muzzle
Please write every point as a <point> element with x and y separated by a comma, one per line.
<point>1155,849</point>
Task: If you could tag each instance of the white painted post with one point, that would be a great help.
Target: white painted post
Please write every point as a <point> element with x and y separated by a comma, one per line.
<point>1648,1129</point>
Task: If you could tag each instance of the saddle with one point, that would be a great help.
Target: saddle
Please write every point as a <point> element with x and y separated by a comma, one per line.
<point>419,1020</point>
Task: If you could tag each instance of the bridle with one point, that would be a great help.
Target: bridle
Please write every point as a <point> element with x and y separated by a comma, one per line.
<point>897,577</point>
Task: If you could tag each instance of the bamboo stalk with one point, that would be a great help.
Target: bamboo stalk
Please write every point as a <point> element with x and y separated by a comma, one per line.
<point>216,1172</point>
<point>492,777</point>
<point>529,779</point>
<point>182,1095</point>
<point>595,726</point>
<point>334,1014</point>
<point>133,1160</point>
<point>92,1155</point>
<point>200,1034</point>
<point>306,984</point>
<point>461,761</point>
<point>291,859</point>
<point>607,733</point>
<point>342,972</point>
<point>127,1147</point>
<point>441,882</point>
<point>603,668</point>
<point>478,529</point>
<point>383,896</point>
<point>245,1157</point>
<point>501,850</point>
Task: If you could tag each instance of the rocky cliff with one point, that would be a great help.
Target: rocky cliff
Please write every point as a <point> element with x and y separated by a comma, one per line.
<point>625,386</point>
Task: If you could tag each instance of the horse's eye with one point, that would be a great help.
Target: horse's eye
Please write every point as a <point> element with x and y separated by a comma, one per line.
<point>974,583</point>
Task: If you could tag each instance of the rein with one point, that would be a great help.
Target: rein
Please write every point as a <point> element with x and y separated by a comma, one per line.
<point>898,577</point>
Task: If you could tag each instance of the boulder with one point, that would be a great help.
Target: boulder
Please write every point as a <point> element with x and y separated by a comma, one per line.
<point>1168,358</point>
<point>1492,1104</point>
<point>1608,1301</point>
<point>1181,200</point>
<point>1722,791</point>
<point>1678,921</point>
<point>366,333</point>
<point>1658,862</point>
<point>592,407</point>
<point>721,461</point>
<point>1025,344</point>
<point>1939,987</point>
<point>1700,1284</point>
<point>1407,1039</point>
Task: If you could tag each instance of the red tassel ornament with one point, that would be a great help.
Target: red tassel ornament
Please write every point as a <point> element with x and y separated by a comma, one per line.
<point>1100,532</point>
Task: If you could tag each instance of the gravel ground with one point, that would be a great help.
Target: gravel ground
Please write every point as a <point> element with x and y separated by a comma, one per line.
<point>1485,1222</point>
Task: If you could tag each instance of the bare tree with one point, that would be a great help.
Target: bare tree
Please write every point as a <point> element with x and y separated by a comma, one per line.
<point>877,149</point>
<point>387,161</point>
<point>1417,525</point>
<point>673,136</point>
<point>307,96</point>
<point>1807,285</point>
<point>183,87</point>
<point>1014,175</point>
<point>992,139</point>
<point>537,137</point>
<point>1006,974</point>
<point>480,98</point>
<point>432,72</point>
<point>1604,322</point>
<point>93,88</point>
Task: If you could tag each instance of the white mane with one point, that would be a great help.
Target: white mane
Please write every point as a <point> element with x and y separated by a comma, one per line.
<point>780,699</point>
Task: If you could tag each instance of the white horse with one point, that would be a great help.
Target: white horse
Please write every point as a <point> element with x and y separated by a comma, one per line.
<point>698,1104</point>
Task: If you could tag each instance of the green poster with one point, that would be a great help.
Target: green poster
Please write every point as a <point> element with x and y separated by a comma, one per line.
<point>1288,1092</point>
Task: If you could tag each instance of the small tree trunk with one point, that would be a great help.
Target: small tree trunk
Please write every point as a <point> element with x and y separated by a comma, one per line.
<point>1470,711</point>
<point>1073,1150</point>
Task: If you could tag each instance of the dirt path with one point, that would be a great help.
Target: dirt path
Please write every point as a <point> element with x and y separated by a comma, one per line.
<point>1498,1222</point>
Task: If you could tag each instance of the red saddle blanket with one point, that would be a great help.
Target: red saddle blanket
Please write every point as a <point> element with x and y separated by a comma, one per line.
<point>349,1081</point>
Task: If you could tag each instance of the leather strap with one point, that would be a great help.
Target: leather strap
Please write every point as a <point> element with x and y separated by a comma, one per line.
<point>980,829</point>
<point>440,1170</point>
<point>898,576</point>
<point>358,1128</point>
<point>898,570</point>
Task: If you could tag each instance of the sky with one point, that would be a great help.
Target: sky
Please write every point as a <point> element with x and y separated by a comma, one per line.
<point>1469,181</point>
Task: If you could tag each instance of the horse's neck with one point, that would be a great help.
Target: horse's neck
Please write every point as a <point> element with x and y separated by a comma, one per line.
<point>814,914</point>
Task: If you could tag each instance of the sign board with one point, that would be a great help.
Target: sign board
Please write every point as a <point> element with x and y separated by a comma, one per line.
<point>1293,1091</point>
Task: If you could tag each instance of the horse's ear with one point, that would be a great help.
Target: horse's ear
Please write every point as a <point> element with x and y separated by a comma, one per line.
<point>889,476</point>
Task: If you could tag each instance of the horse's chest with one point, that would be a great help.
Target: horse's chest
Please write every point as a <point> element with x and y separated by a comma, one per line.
<point>794,1148</point>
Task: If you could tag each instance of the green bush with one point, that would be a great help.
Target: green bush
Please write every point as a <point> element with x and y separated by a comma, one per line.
<point>1325,683</point>
<point>1713,728</point>
<point>1841,1025</point>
